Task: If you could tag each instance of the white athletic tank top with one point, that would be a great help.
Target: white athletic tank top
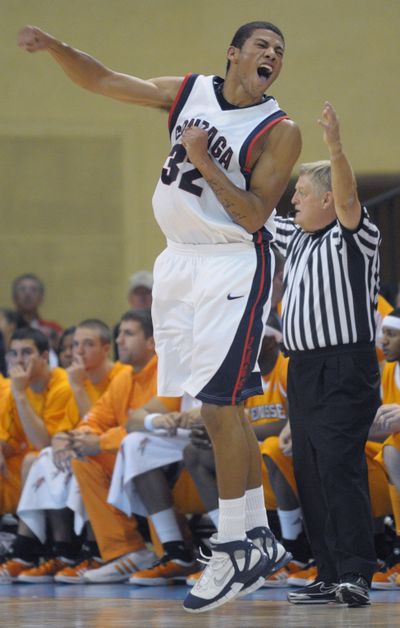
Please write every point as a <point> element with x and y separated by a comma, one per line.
<point>185,207</point>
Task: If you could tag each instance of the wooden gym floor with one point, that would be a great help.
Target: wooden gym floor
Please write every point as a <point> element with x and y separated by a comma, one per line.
<point>115,606</point>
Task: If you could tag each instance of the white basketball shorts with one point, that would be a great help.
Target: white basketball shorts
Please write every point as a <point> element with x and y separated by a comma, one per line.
<point>210,304</point>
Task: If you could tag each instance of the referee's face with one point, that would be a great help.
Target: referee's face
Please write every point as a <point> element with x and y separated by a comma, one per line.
<point>391,344</point>
<point>313,208</point>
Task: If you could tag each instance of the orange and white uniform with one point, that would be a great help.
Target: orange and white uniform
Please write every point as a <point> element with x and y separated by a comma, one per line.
<point>116,534</point>
<point>49,405</point>
<point>48,488</point>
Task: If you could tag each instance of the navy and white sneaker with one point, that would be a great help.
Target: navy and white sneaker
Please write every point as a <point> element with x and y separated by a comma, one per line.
<point>353,590</point>
<point>315,593</point>
<point>231,566</point>
<point>276,554</point>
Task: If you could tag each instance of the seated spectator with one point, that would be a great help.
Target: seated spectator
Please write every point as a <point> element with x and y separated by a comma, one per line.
<point>44,498</point>
<point>28,295</point>
<point>32,411</point>
<point>64,349</point>
<point>139,297</point>
<point>139,292</point>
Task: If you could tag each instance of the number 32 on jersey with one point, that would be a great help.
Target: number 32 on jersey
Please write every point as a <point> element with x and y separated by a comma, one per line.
<point>171,172</point>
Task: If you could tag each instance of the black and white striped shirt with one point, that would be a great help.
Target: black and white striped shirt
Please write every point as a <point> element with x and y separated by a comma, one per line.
<point>331,284</point>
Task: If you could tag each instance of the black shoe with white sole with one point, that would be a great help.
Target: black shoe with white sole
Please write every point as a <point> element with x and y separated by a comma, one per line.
<point>353,590</point>
<point>315,593</point>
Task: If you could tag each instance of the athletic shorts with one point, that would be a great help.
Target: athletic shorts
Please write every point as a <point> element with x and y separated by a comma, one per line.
<point>210,304</point>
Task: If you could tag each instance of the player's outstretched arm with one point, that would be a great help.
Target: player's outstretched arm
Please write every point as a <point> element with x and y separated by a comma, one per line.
<point>344,187</point>
<point>89,73</point>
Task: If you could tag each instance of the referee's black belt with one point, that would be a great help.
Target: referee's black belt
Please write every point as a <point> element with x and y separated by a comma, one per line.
<point>353,347</point>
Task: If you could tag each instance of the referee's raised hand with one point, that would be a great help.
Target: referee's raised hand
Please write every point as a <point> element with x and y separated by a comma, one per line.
<point>329,122</point>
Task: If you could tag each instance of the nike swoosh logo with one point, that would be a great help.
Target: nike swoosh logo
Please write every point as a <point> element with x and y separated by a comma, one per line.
<point>231,298</point>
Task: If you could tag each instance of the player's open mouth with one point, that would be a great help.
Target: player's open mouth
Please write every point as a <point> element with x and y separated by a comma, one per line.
<point>264,72</point>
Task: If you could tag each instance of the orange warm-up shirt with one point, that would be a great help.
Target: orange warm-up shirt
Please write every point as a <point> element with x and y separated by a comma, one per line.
<point>48,404</point>
<point>4,386</point>
<point>271,405</point>
<point>94,391</point>
<point>129,390</point>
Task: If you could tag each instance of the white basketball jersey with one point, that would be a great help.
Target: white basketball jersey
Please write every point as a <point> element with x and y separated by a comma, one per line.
<point>185,207</point>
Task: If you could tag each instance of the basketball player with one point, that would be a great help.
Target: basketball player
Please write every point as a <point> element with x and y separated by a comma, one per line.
<point>387,421</point>
<point>232,153</point>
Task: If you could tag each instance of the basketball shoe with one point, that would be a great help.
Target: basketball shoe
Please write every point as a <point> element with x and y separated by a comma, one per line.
<point>45,571</point>
<point>168,570</point>
<point>232,565</point>
<point>353,590</point>
<point>74,574</point>
<point>119,569</point>
<point>279,579</point>
<point>315,593</point>
<point>10,569</point>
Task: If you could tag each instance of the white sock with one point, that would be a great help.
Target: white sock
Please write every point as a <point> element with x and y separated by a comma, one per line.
<point>166,525</point>
<point>231,519</point>
<point>291,523</point>
<point>256,514</point>
<point>214,516</point>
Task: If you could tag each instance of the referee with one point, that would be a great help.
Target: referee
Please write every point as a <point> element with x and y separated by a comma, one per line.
<point>331,287</point>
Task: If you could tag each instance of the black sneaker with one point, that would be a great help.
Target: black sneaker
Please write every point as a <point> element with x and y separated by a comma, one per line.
<point>353,590</point>
<point>315,593</point>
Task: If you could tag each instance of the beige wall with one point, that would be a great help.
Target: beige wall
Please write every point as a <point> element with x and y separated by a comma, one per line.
<point>77,171</point>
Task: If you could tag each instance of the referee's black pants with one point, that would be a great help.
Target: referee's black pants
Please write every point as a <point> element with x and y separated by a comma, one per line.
<point>333,396</point>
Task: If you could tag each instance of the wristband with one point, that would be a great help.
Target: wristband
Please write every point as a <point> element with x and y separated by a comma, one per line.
<point>148,422</point>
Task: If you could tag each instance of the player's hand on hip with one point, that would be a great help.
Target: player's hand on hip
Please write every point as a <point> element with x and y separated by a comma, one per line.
<point>32,39</point>
<point>195,141</point>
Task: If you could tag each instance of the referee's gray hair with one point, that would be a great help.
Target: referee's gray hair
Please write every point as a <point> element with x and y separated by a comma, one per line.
<point>319,173</point>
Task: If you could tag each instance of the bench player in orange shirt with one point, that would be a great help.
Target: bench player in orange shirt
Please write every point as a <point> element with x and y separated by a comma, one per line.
<point>32,411</point>
<point>387,421</point>
<point>43,501</point>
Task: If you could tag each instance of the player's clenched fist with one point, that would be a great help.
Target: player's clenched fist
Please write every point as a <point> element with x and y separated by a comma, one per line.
<point>33,39</point>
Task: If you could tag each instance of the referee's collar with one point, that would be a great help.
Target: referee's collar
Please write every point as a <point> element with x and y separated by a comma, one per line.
<point>324,229</point>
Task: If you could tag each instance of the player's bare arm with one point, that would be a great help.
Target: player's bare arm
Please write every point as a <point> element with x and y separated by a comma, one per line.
<point>91,74</point>
<point>344,188</point>
<point>270,174</point>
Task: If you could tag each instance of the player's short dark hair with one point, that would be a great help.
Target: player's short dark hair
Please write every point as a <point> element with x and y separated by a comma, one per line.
<point>143,317</point>
<point>97,325</point>
<point>246,30</point>
<point>39,339</point>
<point>31,276</point>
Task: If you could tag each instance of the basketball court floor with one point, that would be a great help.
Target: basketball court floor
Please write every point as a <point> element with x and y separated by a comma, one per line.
<point>122,605</point>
